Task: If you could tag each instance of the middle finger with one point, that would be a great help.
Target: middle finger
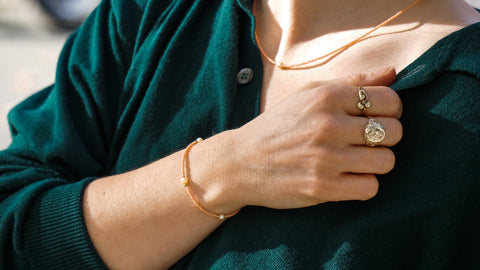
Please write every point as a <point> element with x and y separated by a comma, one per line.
<point>354,130</point>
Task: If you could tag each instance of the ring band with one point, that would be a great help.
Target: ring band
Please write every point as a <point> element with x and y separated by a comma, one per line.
<point>364,103</point>
<point>374,132</point>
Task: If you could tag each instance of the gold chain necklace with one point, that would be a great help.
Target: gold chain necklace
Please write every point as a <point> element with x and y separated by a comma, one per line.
<point>310,63</point>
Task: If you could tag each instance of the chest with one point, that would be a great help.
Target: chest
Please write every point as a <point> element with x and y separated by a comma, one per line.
<point>396,50</point>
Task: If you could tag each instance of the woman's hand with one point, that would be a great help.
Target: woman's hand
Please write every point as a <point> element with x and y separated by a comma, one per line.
<point>311,149</point>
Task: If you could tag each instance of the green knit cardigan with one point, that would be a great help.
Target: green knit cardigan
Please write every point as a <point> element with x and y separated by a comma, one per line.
<point>141,79</point>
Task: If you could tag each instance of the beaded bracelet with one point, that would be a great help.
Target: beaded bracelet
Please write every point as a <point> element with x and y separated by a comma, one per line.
<point>186,182</point>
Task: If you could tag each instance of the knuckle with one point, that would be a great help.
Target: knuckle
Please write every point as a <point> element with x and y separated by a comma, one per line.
<point>316,159</point>
<point>316,99</point>
<point>320,95</point>
<point>324,127</point>
<point>320,181</point>
<point>319,187</point>
<point>312,85</point>
<point>327,160</point>
<point>309,130</point>
<point>356,79</point>
<point>326,93</point>
<point>327,125</point>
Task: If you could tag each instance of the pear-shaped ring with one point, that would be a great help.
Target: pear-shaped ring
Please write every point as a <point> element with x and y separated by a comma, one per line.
<point>374,132</point>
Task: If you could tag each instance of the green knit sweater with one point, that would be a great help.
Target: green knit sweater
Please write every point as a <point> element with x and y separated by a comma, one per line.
<point>141,79</point>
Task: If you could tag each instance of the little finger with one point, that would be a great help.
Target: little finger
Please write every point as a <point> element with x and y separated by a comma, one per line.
<point>369,160</point>
<point>353,187</point>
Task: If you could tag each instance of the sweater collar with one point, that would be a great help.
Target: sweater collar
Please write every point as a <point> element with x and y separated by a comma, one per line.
<point>457,52</point>
<point>246,5</point>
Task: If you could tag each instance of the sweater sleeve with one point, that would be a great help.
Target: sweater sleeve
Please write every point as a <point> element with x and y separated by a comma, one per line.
<point>61,138</point>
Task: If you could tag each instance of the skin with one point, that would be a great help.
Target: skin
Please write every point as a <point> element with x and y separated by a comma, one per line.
<point>306,147</point>
<point>295,31</point>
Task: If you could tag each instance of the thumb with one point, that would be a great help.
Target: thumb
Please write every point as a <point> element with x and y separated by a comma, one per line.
<point>383,77</point>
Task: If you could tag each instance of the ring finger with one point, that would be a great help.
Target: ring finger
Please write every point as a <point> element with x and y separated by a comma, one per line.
<point>354,130</point>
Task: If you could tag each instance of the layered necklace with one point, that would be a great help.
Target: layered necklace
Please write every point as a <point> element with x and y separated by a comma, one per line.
<point>326,57</point>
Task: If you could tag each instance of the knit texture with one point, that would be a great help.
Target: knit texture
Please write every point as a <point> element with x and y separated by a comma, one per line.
<point>141,79</point>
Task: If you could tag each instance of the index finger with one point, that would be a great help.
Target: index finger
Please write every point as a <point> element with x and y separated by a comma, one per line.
<point>378,101</point>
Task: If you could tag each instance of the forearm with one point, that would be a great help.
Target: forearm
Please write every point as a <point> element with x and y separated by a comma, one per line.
<point>144,219</point>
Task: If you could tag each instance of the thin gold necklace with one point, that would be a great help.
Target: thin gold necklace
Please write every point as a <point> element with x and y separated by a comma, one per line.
<point>310,63</point>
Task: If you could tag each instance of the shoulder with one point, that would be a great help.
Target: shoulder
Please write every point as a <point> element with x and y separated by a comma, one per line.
<point>461,51</point>
<point>445,82</point>
<point>130,15</point>
<point>137,19</point>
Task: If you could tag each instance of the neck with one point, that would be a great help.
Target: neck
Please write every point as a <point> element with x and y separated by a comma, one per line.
<point>347,14</point>
<point>287,25</point>
<point>339,14</point>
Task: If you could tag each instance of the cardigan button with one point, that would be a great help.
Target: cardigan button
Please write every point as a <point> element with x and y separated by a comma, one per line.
<point>245,76</point>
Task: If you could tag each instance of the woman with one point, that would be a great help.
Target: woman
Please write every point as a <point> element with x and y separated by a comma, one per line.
<point>90,180</point>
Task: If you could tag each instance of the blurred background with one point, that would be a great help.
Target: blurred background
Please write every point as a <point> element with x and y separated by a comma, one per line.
<point>32,33</point>
<point>31,36</point>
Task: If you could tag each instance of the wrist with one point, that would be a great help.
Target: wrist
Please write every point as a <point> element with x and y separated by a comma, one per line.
<point>212,174</point>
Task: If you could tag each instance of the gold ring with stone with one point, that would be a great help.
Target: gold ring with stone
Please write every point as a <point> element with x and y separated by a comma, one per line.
<point>363,103</point>
<point>374,132</point>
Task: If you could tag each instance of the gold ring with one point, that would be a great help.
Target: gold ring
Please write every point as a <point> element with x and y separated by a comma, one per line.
<point>374,132</point>
<point>364,103</point>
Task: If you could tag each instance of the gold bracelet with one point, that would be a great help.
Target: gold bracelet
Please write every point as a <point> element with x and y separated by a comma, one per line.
<point>186,182</point>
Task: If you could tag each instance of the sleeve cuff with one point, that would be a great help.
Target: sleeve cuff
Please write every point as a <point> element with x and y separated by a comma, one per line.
<point>55,234</point>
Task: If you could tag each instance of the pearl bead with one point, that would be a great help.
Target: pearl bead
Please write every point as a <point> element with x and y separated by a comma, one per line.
<point>221,216</point>
<point>280,65</point>
<point>184,181</point>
